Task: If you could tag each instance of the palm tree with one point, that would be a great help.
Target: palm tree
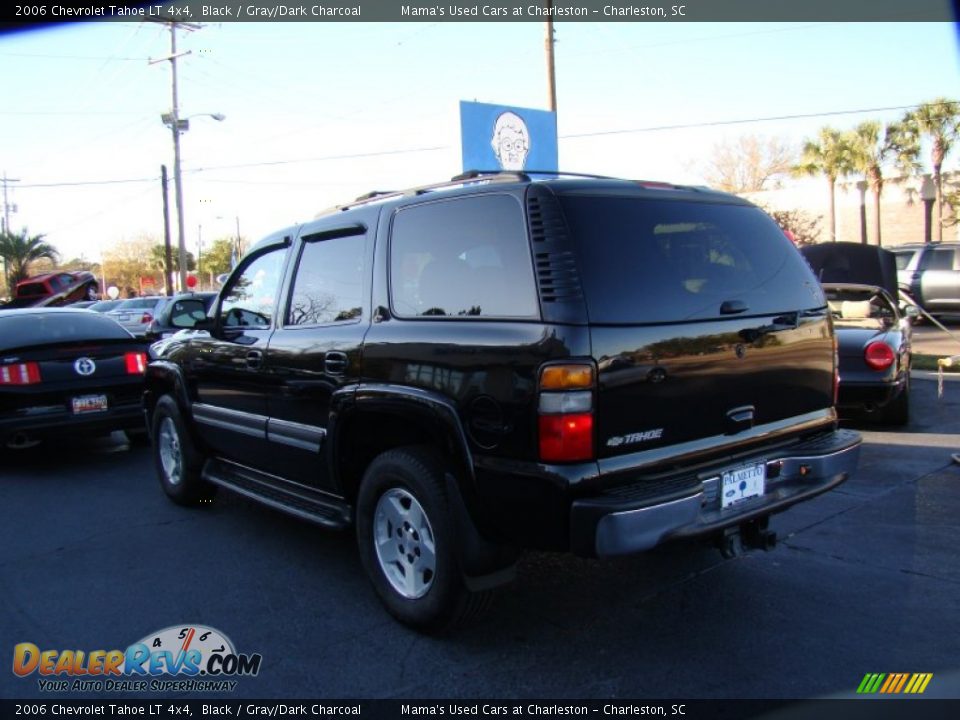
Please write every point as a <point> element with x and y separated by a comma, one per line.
<point>21,251</point>
<point>829,155</point>
<point>870,151</point>
<point>938,120</point>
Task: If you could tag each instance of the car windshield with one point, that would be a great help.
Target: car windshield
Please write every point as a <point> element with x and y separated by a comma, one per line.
<point>104,305</point>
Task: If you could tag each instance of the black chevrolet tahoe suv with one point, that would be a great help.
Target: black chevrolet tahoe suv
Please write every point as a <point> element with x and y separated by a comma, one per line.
<point>500,362</point>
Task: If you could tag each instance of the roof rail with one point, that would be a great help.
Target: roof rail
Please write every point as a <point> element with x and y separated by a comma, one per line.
<point>464,178</point>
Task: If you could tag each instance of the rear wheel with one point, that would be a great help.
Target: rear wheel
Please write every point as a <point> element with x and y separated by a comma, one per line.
<point>407,542</point>
<point>177,459</point>
<point>93,292</point>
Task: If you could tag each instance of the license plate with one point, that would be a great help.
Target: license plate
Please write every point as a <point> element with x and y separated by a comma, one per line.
<point>743,483</point>
<point>89,404</point>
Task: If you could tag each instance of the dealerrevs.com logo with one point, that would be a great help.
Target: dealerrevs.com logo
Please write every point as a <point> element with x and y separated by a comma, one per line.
<point>177,658</point>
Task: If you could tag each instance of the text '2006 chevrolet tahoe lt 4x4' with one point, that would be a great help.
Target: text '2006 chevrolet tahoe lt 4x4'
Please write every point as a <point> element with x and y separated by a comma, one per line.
<point>467,369</point>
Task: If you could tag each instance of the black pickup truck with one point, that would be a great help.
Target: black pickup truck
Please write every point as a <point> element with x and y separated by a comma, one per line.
<point>464,370</point>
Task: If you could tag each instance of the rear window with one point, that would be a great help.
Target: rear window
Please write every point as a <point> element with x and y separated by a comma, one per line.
<point>32,290</point>
<point>650,261</point>
<point>30,328</point>
<point>137,304</point>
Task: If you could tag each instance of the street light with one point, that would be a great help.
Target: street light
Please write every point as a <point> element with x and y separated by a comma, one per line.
<point>179,125</point>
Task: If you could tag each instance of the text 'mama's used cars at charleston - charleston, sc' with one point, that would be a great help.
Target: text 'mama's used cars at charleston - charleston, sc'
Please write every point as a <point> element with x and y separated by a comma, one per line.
<point>464,370</point>
<point>873,333</point>
<point>67,372</point>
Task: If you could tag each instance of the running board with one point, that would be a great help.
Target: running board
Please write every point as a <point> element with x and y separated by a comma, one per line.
<point>292,498</point>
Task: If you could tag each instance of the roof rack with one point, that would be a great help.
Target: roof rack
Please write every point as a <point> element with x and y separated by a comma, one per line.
<point>464,178</point>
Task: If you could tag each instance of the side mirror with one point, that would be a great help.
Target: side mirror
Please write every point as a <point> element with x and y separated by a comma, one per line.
<point>189,314</point>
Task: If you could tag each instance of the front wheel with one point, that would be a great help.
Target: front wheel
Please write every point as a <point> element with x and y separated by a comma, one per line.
<point>176,458</point>
<point>407,541</point>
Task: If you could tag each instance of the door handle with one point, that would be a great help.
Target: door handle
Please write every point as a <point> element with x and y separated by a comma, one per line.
<point>335,363</point>
<point>254,359</point>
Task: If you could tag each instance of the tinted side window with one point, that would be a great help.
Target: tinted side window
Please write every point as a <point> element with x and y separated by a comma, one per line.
<point>667,260</point>
<point>939,259</point>
<point>903,259</point>
<point>463,257</point>
<point>250,298</point>
<point>328,286</point>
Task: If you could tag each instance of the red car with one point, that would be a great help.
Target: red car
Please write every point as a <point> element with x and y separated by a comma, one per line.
<point>55,289</point>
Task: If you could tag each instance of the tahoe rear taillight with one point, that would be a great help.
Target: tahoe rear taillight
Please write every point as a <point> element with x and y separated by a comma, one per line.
<point>565,423</point>
<point>20,374</point>
<point>878,355</point>
<point>136,363</point>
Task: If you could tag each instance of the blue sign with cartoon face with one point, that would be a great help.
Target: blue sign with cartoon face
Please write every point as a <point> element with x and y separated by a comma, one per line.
<point>499,137</point>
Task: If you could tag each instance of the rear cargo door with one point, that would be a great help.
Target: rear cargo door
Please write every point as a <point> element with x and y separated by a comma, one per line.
<point>705,320</point>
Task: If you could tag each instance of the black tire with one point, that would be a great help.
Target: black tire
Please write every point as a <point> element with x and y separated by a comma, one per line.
<point>176,458</point>
<point>93,292</point>
<point>897,412</point>
<point>417,578</point>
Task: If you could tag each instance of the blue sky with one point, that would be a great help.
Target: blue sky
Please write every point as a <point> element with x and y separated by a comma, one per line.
<point>318,113</point>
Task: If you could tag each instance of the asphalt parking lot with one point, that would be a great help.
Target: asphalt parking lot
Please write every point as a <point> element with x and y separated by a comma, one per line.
<point>864,579</point>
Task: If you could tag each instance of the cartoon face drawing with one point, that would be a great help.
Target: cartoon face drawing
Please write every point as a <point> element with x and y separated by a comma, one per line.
<point>511,141</point>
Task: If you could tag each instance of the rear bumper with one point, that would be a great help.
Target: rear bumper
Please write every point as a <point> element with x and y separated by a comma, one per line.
<point>614,524</point>
<point>121,417</point>
<point>869,395</point>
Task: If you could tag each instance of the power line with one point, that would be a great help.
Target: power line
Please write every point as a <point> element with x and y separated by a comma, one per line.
<point>740,121</point>
<point>435,148</point>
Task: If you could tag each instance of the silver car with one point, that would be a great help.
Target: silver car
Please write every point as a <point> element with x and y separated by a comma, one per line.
<point>136,314</point>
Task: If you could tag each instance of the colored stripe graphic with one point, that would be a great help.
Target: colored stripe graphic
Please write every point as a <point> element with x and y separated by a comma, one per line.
<point>894,683</point>
<point>870,683</point>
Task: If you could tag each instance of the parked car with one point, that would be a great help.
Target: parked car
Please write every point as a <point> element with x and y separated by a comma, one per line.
<point>55,289</point>
<point>136,314</point>
<point>103,306</point>
<point>873,333</point>
<point>930,274</point>
<point>66,371</point>
<point>463,370</point>
<point>162,325</point>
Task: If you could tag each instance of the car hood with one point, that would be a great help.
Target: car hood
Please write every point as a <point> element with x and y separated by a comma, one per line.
<point>843,262</point>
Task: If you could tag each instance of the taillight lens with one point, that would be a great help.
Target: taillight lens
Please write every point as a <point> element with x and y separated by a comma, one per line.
<point>147,317</point>
<point>20,374</point>
<point>879,355</point>
<point>136,363</point>
<point>565,403</point>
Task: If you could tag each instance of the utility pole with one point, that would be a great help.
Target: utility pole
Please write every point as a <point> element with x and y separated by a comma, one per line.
<point>6,203</point>
<point>167,254</point>
<point>6,217</point>
<point>177,180</point>
<point>549,42</point>
<point>176,127</point>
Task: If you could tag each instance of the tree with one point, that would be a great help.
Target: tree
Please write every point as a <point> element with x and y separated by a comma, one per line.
<point>871,147</point>
<point>21,251</point>
<point>803,228</point>
<point>219,257</point>
<point>939,121</point>
<point>828,155</point>
<point>750,164</point>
